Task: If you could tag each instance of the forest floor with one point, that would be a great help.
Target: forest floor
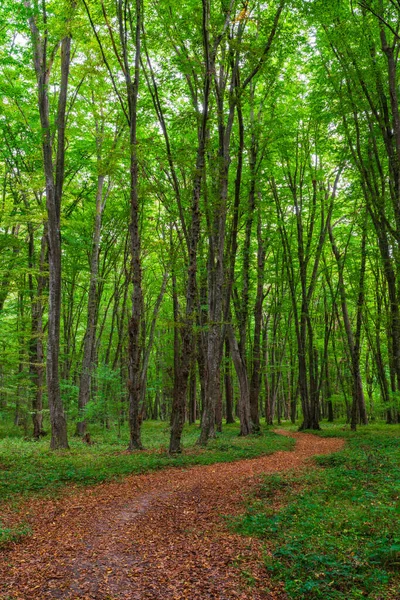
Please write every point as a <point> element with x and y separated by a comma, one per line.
<point>29,468</point>
<point>160,535</point>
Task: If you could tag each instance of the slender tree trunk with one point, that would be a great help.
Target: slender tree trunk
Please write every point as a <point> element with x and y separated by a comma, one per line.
<point>228,385</point>
<point>135,321</point>
<point>91,322</point>
<point>150,341</point>
<point>36,365</point>
<point>188,337</point>
<point>256,373</point>
<point>328,393</point>
<point>357,387</point>
<point>54,187</point>
<point>215,337</point>
<point>244,396</point>
<point>218,410</point>
<point>192,394</point>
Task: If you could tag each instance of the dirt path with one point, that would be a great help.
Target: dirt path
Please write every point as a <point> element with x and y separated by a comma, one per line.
<point>156,536</point>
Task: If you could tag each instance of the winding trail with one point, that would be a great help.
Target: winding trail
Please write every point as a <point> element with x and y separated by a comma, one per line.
<point>154,536</point>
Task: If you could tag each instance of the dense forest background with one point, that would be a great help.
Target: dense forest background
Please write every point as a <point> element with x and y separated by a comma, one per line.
<point>199,214</point>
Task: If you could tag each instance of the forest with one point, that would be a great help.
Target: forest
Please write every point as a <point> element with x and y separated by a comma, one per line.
<point>200,264</point>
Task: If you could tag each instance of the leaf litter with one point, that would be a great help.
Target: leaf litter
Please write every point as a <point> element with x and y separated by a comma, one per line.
<point>155,536</point>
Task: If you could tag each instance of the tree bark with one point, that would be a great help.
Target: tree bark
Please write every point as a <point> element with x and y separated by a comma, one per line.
<point>255,383</point>
<point>36,363</point>
<point>188,337</point>
<point>54,187</point>
<point>354,344</point>
<point>244,396</point>
<point>228,384</point>
<point>91,321</point>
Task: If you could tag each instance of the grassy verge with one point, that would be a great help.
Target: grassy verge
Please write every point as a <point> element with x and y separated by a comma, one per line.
<point>28,468</point>
<point>334,532</point>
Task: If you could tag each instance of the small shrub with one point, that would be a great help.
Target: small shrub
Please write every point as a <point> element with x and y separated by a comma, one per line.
<point>13,534</point>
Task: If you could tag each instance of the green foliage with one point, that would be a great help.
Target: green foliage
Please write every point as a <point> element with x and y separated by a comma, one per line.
<point>271,484</point>
<point>337,535</point>
<point>30,467</point>
<point>13,534</point>
<point>109,394</point>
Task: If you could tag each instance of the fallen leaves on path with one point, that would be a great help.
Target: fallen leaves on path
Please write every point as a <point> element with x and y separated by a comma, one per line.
<point>154,536</point>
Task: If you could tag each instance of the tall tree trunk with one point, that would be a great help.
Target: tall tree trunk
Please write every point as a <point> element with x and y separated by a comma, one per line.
<point>256,373</point>
<point>36,362</point>
<point>127,27</point>
<point>353,343</point>
<point>244,396</point>
<point>215,335</point>
<point>228,384</point>
<point>149,345</point>
<point>192,394</point>
<point>91,321</point>
<point>54,187</point>
<point>228,71</point>
<point>188,338</point>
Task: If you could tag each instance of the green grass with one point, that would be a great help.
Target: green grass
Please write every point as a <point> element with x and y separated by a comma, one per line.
<point>337,533</point>
<point>28,467</point>
<point>13,534</point>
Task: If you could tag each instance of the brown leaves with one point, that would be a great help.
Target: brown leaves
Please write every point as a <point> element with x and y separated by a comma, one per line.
<point>154,536</point>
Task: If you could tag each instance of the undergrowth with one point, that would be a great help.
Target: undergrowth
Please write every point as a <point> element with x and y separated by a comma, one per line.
<point>13,534</point>
<point>28,467</point>
<point>336,531</point>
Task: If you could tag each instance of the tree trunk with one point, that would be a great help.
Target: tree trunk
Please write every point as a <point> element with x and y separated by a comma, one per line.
<point>54,187</point>
<point>91,321</point>
<point>228,385</point>
<point>353,344</point>
<point>188,337</point>
<point>36,365</point>
<point>192,394</point>
<point>244,397</point>
<point>256,373</point>
<point>134,27</point>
